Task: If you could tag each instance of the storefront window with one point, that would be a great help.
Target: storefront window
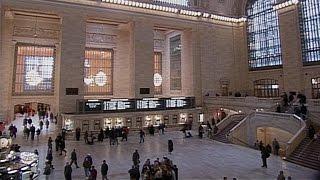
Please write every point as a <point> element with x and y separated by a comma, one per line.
<point>68,124</point>
<point>266,88</point>
<point>98,71</point>
<point>96,126</point>
<point>154,120</point>
<point>315,88</point>
<point>139,122</point>
<point>34,69</point>
<point>174,119</point>
<point>85,125</point>
<point>119,122</point>
<point>166,119</point>
<point>183,118</point>
<point>128,122</point>
<point>107,123</point>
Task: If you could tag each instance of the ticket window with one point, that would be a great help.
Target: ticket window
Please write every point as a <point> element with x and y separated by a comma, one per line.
<point>139,122</point>
<point>96,125</point>
<point>157,120</point>
<point>119,122</point>
<point>148,121</point>
<point>183,118</point>
<point>107,123</point>
<point>85,125</point>
<point>128,122</point>
<point>175,119</point>
<point>166,119</point>
<point>69,124</point>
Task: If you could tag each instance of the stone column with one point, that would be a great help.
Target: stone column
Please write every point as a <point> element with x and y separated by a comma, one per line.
<point>73,42</point>
<point>291,48</point>
<point>142,34</point>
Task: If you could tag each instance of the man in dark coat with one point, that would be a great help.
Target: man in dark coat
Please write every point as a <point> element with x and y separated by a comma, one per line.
<point>78,132</point>
<point>134,173</point>
<point>170,146</point>
<point>67,171</point>
<point>104,170</point>
<point>264,155</point>
<point>32,131</point>
<point>135,158</point>
<point>74,158</point>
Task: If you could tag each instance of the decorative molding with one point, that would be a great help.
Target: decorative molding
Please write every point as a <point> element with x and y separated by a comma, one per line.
<point>158,43</point>
<point>101,38</point>
<point>285,4</point>
<point>36,32</point>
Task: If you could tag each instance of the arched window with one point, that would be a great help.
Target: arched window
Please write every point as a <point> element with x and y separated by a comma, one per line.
<point>263,35</point>
<point>266,88</point>
<point>310,32</point>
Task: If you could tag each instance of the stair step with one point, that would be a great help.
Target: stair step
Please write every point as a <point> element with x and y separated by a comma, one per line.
<point>306,161</point>
<point>303,164</point>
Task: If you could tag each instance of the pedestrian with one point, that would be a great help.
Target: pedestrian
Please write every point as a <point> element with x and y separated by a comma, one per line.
<point>136,158</point>
<point>86,135</point>
<point>32,131</point>
<point>57,142</point>
<point>38,133</point>
<point>62,146</point>
<point>67,171</point>
<point>27,133</point>
<point>47,124</point>
<point>41,124</point>
<point>276,147</point>
<point>86,165</point>
<point>311,132</point>
<point>281,176</point>
<point>78,132</point>
<point>93,173</point>
<point>200,131</point>
<point>264,155</point>
<point>170,146</point>
<point>36,152</point>
<point>134,173</point>
<point>104,170</point>
<point>50,143</point>
<point>49,158</point>
<point>74,158</point>
<point>142,134</point>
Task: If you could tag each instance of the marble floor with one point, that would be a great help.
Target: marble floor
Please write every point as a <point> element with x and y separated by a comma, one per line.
<point>196,159</point>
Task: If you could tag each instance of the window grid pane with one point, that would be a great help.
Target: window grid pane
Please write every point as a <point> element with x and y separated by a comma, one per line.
<point>98,61</point>
<point>158,69</point>
<point>309,30</point>
<point>177,2</point>
<point>263,35</point>
<point>315,82</point>
<point>266,88</point>
<point>175,63</point>
<point>34,69</point>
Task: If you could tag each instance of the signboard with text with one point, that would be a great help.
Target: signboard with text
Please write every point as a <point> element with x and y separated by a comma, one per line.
<point>127,105</point>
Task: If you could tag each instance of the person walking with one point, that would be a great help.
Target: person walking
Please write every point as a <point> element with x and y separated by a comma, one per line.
<point>142,134</point>
<point>86,165</point>
<point>136,158</point>
<point>67,171</point>
<point>47,124</point>
<point>276,147</point>
<point>50,143</point>
<point>62,146</point>
<point>38,133</point>
<point>41,124</point>
<point>93,173</point>
<point>170,146</point>
<point>264,155</point>
<point>78,133</point>
<point>74,158</point>
<point>32,131</point>
<point>104,170</point>
<point>281,176</point>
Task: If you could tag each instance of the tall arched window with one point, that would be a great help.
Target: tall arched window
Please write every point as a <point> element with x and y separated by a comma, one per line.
<point>263,35</point>
<point>310,32</point>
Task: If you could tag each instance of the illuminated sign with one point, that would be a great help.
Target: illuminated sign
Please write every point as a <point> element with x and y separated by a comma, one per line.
<point>125,105</point>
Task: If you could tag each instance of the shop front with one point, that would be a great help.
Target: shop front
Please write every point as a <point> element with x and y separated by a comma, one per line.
<point>94,115</point>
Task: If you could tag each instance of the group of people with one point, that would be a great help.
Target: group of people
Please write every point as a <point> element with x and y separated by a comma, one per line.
<point>159,170</point>
<point>112,134</point>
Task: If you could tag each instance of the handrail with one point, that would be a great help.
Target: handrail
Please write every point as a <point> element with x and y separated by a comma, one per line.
<point>294,142</point>
<point>241,122</point>
<point>239,140</point>
<point>224,123</point>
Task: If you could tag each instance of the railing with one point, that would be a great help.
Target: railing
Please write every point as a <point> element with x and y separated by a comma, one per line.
<point>249,102</point>
<point>294,142</point>
<point>241,130</point>
<point>224,123</point>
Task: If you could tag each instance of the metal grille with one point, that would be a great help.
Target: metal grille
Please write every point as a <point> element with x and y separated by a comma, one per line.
<point>309,29</point>
<point>96,61</point>
<point>263,35</point>
<point>34,69</point>
<point>266,88</point>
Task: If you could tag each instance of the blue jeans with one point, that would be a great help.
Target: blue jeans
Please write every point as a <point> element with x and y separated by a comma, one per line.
<point>87,172</point>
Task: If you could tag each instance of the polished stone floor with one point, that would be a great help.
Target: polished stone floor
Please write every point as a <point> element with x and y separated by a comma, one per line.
<point>196,159</point>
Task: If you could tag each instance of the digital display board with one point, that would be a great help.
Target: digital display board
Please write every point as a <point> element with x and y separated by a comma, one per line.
<point>145,104</point>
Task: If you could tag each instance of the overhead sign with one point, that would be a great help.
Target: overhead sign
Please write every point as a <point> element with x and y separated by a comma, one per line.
<point>125,105</point>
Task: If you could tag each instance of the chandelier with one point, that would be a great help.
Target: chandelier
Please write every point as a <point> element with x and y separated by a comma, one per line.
<point>157,79</point>
<point>33,78</point>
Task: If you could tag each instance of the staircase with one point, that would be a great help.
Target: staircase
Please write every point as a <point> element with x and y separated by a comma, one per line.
<point>307,154</point>
<point>221,136</point>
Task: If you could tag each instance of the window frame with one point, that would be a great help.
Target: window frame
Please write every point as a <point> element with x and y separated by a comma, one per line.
<point>158,89</point>
<point>267,92</point>
<point>36,92</point>
<point>86,92</point>
<point>269,44</point>
<point>315,89</point>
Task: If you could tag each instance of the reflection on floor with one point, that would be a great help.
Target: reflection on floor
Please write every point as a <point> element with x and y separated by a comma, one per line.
<point>195,158</point>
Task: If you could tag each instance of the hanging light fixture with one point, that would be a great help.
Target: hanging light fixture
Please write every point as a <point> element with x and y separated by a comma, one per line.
<point>100,78</point>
